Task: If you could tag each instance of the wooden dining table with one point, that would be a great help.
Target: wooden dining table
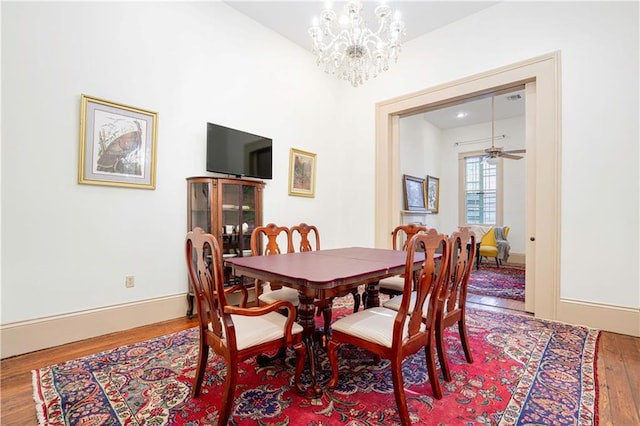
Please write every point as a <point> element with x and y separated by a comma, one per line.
<point>324,274</point>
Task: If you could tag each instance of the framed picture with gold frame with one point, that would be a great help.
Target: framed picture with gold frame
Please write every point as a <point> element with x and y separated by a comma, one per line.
<point>413,193</point>
<point>433,194</point>
<point>117,144</point>
<point>302,173</point>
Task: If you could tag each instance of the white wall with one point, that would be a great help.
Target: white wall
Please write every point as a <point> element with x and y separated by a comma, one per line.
<point>599,58</point>
<point>67,247</point>
<point>420,156</point>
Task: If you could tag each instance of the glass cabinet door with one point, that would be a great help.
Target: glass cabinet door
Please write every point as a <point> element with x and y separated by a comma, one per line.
<point>230,219</point>
<point>229,209</point>
<point>248,218</point>
<point>200,206</point>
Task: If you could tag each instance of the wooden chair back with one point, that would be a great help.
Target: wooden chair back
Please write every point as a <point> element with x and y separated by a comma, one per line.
<point>463,250</point>
<point>428,283</point>
<point>204,263</point>
<point>453,297</point>
<point>272,233</point>
<point>402,234</point>
<point>300,237</point>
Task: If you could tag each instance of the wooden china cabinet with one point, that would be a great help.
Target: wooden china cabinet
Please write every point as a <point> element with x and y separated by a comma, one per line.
<point>227,208</point>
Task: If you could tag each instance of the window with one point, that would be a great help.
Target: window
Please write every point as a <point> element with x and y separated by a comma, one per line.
<point>481,195</point>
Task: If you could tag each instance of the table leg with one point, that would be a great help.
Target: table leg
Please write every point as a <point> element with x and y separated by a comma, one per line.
<point>373,292</point>
<point>306,310</point>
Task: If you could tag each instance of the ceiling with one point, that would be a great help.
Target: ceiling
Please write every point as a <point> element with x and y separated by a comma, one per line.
<point>292,19</point>
<point>478,111</point>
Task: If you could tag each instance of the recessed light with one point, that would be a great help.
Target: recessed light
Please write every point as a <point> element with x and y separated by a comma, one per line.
<point>461,115</point>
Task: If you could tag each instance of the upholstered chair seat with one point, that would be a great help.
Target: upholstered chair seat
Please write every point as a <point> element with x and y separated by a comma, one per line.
<point>269,296</point>
<point>374,325</point>
<point>392,285</point>
<point>395,301</point>
<point>252,331</point>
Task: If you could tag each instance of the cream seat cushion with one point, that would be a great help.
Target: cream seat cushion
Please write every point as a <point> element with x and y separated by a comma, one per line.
<point>252,331</point>
<point>393,283</point>
<point>394,303</point>
<point>284,293</point>
<point>374,325</point>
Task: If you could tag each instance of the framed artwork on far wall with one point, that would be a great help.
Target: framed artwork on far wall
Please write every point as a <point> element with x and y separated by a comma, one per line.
<point>433,194</point>
<point>302,173</point>
<point>117,144</point>
<point>414,194</point>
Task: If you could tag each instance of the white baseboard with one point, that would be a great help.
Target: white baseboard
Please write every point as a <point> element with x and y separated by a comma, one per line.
<point>28,336</point>
<point>616,319</point>
<point>32,335</point>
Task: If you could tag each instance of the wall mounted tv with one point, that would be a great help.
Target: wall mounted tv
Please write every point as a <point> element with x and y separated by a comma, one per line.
<point>238,153</point>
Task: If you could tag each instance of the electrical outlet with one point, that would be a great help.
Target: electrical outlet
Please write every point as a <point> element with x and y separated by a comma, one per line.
<point>129,281</point>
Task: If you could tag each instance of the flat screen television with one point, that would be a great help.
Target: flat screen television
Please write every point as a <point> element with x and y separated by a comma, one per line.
<point>238,153</point>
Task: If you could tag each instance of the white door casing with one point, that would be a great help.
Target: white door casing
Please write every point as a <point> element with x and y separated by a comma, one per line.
<point>543,186</point>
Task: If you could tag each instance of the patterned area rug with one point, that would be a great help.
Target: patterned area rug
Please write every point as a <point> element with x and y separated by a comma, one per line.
<point>506,282</point>
<point>525,371</point>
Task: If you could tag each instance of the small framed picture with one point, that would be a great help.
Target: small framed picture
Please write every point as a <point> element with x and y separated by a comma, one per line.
<point>302,173</point>
<point>117,144</point>
<point>413,193</point>
<point>433,194</point>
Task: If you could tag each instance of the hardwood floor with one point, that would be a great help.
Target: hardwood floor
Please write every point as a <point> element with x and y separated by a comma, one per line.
<point>486,302</point>
<point>618,367</point>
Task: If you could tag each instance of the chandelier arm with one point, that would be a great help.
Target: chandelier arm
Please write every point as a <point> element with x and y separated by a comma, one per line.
<point>351,50</point>
<point>381,27</point>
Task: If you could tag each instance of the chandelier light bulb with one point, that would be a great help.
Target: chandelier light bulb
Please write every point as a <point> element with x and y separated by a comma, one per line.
<point>347,48</point>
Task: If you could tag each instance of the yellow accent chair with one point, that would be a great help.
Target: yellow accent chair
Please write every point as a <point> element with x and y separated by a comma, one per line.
<point>489,245</point>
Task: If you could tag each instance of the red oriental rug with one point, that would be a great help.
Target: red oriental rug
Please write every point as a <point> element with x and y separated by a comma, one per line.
<point>525,371</point>
<point>506,282</point>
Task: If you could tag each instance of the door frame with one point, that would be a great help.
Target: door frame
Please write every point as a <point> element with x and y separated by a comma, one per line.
<point>544,137</point>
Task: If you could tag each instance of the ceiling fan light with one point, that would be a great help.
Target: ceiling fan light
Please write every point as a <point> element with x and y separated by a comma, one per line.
<point>492,160</point>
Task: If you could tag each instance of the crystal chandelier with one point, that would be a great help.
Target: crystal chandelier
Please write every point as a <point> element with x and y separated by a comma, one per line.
<point>347,48</point>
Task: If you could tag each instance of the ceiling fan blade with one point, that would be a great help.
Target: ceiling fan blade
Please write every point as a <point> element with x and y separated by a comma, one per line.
<point>512,157</point>
<point>515,151</point>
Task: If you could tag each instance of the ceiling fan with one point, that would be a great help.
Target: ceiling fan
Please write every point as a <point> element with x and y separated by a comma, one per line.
<point>496,152</point>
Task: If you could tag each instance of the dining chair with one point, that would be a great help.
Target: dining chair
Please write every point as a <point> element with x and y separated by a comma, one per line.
<point>300,237</point>
<point>272,233</point>
<point>234,333</point>
<point>401,235</point>
<point>394,335</point>
<point>453,297</point>
<point>274,236</point>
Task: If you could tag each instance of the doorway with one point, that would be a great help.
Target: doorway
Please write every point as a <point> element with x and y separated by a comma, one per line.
<point>440,143</point>
<point>541,79</point>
